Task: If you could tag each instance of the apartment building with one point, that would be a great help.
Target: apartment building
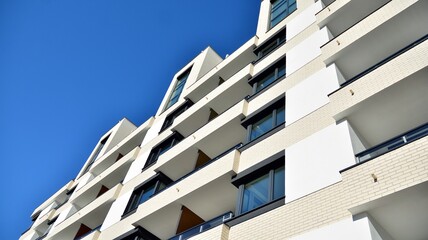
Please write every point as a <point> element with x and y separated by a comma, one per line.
<point>315,128</point>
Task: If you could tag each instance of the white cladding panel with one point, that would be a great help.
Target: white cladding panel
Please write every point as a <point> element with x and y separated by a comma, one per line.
<point>311,93</point>
<point>306,51</point>
<point>84,180</point>
<point>116,210</point>
<point>315,162</point>
<point>303,20</point>
<point>137,166</point>
<point>344,229</point>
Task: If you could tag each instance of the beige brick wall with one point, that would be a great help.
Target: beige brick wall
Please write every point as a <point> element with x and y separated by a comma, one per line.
<point>397,170</point>
<point>392,72</point>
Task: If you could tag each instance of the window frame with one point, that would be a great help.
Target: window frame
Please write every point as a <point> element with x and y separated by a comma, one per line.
<point>135,199</point>
<point>272,111</point>
<point>97,152</point>
<point>263,75</point>
<point>286,11</point>
<point>170,118</point>
<point>266,167</point>
<point>178,88</point>
<point>163,147</point>
<point>269,45</point>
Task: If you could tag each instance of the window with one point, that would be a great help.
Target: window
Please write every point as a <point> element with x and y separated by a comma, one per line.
<point>265,122</point>
<point>281,9</point>
<point>96,153</point>
<point>269,76</point>
<point>162,148</point>
<point>271,44</point>
<point>175,95</point>
<point>261,184</point>
<point>172,116</point>
<point>146,191</point>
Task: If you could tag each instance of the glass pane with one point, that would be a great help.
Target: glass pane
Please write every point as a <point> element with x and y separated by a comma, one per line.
<point>172,101</point>
<point>265,81</point>
<point>267,49</point>
<point>279,10</point>
<point>161,186</point>
<point>281,71</point>
<point>148,192</point>
<point>279,183</point>
<point>280,116</point>
<point>255,193</point>
<point>278,19</point>
<point>261,127</point>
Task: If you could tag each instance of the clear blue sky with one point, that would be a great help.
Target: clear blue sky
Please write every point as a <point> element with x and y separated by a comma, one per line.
<point>71,69</point>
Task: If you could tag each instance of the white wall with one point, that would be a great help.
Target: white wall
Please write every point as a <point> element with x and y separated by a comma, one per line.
<point>45,211</point>
<point>346,229</point>
<point>32,236</point>
<point>306,51</point>
<point>84,180</point>
<point>137,165</point>
<point>264,14</point>
<point>311,93</point>
<point>303,20</point>
<point>315,162</point>
<point>141,159</point>
<point>116,210</point>
<point>358,143</point>
<point>64,215</point>
<point>211,60</point>
<point>125,127</point>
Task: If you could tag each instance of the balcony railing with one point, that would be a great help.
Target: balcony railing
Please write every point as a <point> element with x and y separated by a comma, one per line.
<point>392,144</point>
<point>383,62</point>
<point>203,227</point>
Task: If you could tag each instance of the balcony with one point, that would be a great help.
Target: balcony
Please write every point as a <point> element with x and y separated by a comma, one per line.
<point>394,186</point>
<point>206,139</point>
<point>384,110</point>
<point>92,215</point>
<point>375,37</point>
<point>203,227</point>
<point>108,178</point>
<point>219,100</point>
<point>339,15</point>
<point>124,147</point>
<point>207,186</point>
<point>393,143</point>
<point>225,70</point>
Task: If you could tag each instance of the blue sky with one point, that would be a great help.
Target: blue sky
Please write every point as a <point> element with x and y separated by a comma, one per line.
<point>71,69</point>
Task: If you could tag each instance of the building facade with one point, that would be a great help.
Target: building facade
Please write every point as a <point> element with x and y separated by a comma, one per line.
<point>315,128</point>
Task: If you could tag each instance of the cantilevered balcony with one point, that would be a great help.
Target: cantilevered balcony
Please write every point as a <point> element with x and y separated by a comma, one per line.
<point>223,71</point>
<point>91,216</point>
<point>219,100</point>
<point>223,132</point>
<point>207,192</point>
<point>124,147</point>
<point>393,143</point>
<point>382,33</point>
<point>385,114</point>
<point>339,15</point>
<point>108,179</point>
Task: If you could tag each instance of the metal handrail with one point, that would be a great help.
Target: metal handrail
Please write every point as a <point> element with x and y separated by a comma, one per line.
<point>203,227</point>
<point>393,143</point>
